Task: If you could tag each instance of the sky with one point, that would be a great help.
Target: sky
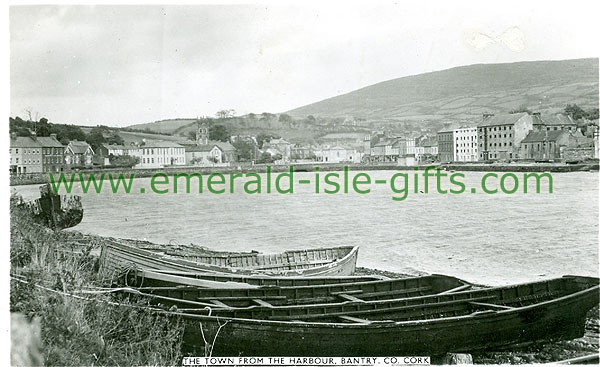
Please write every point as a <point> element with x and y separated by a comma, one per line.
<point>123,65</point>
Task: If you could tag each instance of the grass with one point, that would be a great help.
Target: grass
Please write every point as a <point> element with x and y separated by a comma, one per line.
<point>50,274</point>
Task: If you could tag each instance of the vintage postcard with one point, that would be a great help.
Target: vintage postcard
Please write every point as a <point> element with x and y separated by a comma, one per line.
<point>302,184</point>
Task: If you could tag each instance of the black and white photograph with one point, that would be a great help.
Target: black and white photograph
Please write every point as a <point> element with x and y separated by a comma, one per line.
<point>301,183</point>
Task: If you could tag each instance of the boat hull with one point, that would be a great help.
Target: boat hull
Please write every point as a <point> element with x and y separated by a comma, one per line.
<point>116,257</point>
<point>562,318</point>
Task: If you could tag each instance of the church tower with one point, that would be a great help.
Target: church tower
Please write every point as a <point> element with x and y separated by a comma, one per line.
<point>202,133</point>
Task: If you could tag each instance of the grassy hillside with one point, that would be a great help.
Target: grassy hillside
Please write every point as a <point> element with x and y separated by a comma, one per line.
<point>296,131</point>
<point>424,102</point>
<point>163,126</point>
<point>464,93</point>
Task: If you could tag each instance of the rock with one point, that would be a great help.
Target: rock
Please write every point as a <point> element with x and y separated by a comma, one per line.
<point>458,358</point>
<point>26,341</point>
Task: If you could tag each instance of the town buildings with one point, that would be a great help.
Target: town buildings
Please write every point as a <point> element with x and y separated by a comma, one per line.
<point>302,152</point>
<point>36,154</point>
<point>156,154</point>
<point>25,155</point>
<point>500,136</point>
<point>559,121</point>
<point>209,152</point>
<point>465,144</point>
<point>446,151</point>
<point>280,147</point>
<point>546,144</point>
<point>338,154</point>
<point>79,154</point>
<point>427,149</point>
<point>203,155</point>
<point>150,154</point>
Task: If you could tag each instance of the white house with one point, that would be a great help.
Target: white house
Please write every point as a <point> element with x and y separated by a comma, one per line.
<point>156,154</point>
<point>339,154</point>
<point>204,154</point>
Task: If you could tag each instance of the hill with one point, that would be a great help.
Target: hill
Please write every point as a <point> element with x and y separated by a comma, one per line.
<point>464,93</point>
<point>163,126</point>
<point>295,130</point>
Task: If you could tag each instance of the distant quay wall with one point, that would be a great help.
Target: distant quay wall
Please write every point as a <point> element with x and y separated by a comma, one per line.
<point>592,165</point>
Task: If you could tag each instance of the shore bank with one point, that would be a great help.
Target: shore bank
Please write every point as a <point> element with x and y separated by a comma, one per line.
<point>42,178</point>
<point>93,330</point>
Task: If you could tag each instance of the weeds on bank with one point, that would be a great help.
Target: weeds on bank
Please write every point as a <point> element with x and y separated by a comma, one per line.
<point>47,271</point>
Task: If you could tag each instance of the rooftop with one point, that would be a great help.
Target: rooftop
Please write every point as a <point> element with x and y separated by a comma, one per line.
<point>24,142</point>
<point>160,144</point>
<point>49,142</point>
<point>534,136</point>
<point>78,147</point>
<point>509,119</point>
<point>200,148</point>
<point>558,119</point>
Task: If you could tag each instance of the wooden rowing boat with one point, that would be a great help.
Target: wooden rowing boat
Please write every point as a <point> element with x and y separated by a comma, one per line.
<point>335,261</point>
<point>431,325</point>
<point>306,262</point>
<point>170,278</point>
<point>230,297</point>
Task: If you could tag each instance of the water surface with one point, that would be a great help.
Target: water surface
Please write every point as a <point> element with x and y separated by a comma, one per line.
<point>492,239</point>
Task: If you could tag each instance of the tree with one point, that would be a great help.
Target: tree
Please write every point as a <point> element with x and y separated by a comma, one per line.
<point>262,137</point>
<point>284,117</point>
<point>592,114</point>
<point>218,132</point>
<point>265,157</point>
<point>246,149</point>
<point>114,138</point>
<point>123,160</point>
<point>575,111</point>
<point>95,138</point>
<point>522,108</point>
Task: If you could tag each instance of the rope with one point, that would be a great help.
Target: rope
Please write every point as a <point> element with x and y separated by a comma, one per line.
<point>63,293</point>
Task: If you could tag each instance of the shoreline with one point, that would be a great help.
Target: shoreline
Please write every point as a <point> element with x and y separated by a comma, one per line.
<point>77,244</point>
<point>593,165</point>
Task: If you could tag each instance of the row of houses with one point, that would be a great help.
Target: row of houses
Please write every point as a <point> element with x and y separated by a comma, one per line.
<point>45,154</point>
<point>407,150</point>
<point>158,154</point>
<point>509,137</point>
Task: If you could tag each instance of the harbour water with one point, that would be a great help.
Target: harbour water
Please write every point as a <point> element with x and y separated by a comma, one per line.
<point>484,238</point>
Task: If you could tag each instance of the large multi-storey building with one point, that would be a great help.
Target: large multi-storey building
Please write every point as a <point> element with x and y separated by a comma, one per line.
<point>25,155</point>
<point>445,140</point>
<point>53,153</point>
<point>499,136</point>
<point>465,144</point>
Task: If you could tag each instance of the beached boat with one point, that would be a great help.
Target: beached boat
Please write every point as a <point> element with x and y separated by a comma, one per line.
<point>53,210</point>
<point>172,278</point>
<point>225,297</point>
<point>309,262</point>
<point>431,325</point>
<point>117,259</point>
